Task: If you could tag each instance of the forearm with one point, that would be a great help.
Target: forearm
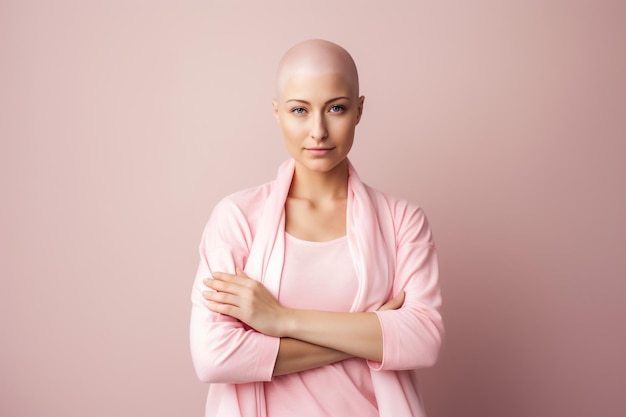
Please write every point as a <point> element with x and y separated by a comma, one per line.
<point>238,296</point>
<point>357,334</point>
<point>296,355</point>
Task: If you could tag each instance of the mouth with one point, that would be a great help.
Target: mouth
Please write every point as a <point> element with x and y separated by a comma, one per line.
<point>318,151</point>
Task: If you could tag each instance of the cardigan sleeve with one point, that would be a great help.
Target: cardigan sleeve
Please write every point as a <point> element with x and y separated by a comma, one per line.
<point>412,335</point>
<point>223,349</point>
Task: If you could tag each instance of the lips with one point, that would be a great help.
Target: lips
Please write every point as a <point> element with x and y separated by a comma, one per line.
<point>318,151</point>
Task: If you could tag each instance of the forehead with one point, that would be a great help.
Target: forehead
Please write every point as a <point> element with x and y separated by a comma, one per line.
<point>312,87</point>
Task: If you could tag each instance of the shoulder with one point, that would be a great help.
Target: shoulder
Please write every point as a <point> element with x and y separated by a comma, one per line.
<point>247,200</point>
<point>396,206</point>
<point>235,217</point>
<point>242,207</point>
<point>405,215</point>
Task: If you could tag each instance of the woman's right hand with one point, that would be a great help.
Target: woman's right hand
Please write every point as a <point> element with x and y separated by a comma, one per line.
<point>393,304</point>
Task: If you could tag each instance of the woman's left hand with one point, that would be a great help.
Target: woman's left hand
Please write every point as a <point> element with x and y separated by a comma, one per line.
<point>245,299</point>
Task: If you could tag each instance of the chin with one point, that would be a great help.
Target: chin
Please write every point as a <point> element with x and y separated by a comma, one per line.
<point>320,164</point>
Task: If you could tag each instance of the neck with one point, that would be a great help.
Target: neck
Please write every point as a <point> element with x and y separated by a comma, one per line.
<point>320,186</point>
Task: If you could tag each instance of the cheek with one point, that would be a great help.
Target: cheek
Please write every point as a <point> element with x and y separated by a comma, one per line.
<point>345,131</point>
<point>292,129</point>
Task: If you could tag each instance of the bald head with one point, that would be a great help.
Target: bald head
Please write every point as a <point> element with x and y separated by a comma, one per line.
<point>315,58</point>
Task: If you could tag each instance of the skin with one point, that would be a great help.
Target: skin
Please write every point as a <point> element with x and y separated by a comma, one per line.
<point>318,107</point>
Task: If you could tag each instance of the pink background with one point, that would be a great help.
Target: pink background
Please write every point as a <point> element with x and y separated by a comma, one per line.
<point>122,123</point>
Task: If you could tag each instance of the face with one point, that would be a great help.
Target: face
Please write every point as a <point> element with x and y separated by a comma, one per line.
<point>318,115</point>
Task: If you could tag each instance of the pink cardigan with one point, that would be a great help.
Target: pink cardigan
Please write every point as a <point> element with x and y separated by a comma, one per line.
<point>393,250</point>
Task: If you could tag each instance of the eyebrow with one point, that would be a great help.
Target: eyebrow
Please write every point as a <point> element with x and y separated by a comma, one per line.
<point>328,101</point>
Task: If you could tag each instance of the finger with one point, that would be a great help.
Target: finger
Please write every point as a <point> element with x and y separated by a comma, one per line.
<point>224,276</point>
<point>398,300</point>
<point>220,285</point>
<point>395,303</point>
<point>220,298</point>
<point>225,309</point>
<point>237,278</point>
<point>244,278</point>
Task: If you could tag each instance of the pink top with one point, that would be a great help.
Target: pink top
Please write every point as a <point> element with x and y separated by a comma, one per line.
<point>392,250</point>
<point>321,276</point>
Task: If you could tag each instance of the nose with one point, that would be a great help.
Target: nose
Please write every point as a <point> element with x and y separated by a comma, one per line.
<point>319,130</point>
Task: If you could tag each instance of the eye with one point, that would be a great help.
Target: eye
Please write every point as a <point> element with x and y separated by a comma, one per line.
<point>336,108</point>
<point>298,110</point>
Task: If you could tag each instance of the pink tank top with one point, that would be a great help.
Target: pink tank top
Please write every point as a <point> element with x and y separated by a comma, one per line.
<point>321,276</point>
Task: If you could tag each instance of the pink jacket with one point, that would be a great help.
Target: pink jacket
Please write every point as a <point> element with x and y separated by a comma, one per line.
<point>393,250</point>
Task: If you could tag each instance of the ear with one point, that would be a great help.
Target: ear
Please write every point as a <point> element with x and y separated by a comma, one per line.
<point>275,106</point>
<point>359,110</point>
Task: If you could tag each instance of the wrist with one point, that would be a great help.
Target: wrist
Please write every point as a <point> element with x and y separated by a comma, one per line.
<point>288,322</point>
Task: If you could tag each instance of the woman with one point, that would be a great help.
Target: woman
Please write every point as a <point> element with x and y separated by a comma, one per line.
<point>316,295</point>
